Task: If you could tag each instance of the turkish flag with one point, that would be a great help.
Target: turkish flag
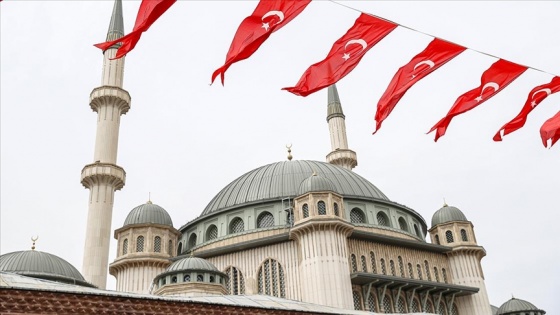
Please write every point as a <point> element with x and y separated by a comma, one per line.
<point>551,130</point>
<point>148,13</point>
<point>493,80</point>
<point>268,17</point>
<point>344,56</point>
<point>536,96</point>
<point>435,55</point>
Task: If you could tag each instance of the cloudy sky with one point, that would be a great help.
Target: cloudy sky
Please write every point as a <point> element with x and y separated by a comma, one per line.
<point>183,140</point>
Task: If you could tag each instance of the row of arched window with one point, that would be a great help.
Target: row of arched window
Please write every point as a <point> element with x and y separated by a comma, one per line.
<point>358,216</point>
<point>400,305</point>
<point>449,237</point>
<point>140,245</point>
<point>421,272</point>
<point>270,279</point>
<point>321,209</point>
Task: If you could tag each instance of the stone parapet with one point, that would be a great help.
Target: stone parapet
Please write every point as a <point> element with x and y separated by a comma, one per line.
<point>107,173</point>
<point>109,95</point>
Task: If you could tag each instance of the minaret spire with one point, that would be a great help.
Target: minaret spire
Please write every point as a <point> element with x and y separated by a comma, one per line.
<point>104,176</point>
<point>340,154</point>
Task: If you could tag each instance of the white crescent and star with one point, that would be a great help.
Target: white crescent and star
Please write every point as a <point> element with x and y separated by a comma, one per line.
<point>359,41</point>
<point>493,85</point>
<point>428,62</point>
<point>279,14</point>
<point>547,91</point>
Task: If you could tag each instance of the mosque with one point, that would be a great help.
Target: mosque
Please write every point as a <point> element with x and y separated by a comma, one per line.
<point>290,237</point>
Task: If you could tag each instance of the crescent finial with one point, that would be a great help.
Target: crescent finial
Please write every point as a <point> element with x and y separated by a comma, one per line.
<point>34,239</point>
<point>289,147</point>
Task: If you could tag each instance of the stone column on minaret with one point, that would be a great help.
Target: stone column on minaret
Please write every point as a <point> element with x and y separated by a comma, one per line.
<point>104,176</point>
<point>340,154</point>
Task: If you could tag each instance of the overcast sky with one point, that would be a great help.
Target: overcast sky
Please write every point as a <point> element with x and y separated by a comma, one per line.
<point>184,140</point>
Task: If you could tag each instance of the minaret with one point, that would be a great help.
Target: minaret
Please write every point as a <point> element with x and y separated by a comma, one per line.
<point>340,155</point>
<point>104,176</point>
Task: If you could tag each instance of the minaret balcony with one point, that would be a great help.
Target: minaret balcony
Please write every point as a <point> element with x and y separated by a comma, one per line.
<point>109,95</point>
<point>107,173</point>
<point>343,157</point>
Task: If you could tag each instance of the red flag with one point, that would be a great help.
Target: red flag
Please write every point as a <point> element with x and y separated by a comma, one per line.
<point>536,96</point>
<point>435,55</point>
<point>268,17</point>
<point>149,12</point>
<point>551,130</point>
<point>493,80</point>
<point>344,56</point>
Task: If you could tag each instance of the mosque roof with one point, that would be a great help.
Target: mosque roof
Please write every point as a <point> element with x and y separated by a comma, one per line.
<point>148,213</point>
<point>448,214</point>
<point>516,305</point>
<point>192,263</point>
<point>282,180</point>
<point>37,264</point>
<point>315,183</point>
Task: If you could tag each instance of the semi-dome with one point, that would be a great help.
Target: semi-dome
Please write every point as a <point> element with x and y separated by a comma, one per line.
<point>148,213</point>
<point>36,264</point>
<point>448,214</point>
<point>282,180</point>
<point>514,306</point>
<point>192,264</point>
<point>315,183</point>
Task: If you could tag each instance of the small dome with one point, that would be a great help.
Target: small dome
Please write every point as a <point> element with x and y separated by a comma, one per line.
<point>516,305</point>
<point>192,264</point>
<point>148,213</point>
<point>315,183</point>
<point>42,265</point>
<point>448,214</point>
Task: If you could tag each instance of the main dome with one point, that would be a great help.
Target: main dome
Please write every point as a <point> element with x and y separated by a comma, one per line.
<point>282,180</point>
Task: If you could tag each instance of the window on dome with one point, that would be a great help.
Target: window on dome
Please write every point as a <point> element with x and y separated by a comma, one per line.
<point>212,279</point>
<point>357,300</point>
<point>235,283</point>
<point>401,305</point>
<point>417,231</point>
<point>437,240</point>
<point>157,244</point>
<point>180,248</point>
<point>236,226</point>
<point>401,266</point>
<point>419,270</point>
<point>265,219</point>
<point>392,266</point>
<point>192,241</point>
<point>212,232</point>
<point>354,264</point>
<point>382,219</point>
<point>271,279</point>
<point>170,248</point>
<point>449,236</point>
<point>372,304</point>
<point>199,278</point>
<point>357,216</point>
<point>436,274</point>
<point>402,224</point>
<point>364,264</point>
<point>444,275</point>
<point>464,235</point>
<point>410,271</point>
<point>321,208</point>
<point>383,269</point>
<point>163,282</point>
<point>427,269</point>
<point>373,264</point>
<point>305,210</point>
<point>387,305</point>
<point>187,278</point>
<point>125,246</point>
<point>336,211</point>
<point>174,279</point>
<point>140,244</point>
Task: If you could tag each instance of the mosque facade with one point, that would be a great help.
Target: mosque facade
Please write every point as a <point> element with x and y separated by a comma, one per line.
<point>296,230</point>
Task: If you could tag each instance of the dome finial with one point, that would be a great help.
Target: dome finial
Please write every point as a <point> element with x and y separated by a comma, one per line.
<point>444,203</point>
<point>34,239</point>
<point>149,198</point>
<point>289,147</point>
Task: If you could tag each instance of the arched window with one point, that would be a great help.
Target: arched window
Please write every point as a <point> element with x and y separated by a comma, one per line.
<point>417,231</point>
<point>174,279</point>
<point>372,303</point>
<point>170,248</point>
<point>236,226</point>
<point>321,208</point>
<point>454,310</point>
<point>265,219</point>
<point>373,265</point>
<point>401,305</point>
<point>387,305</point>
<point>392,266</point>
<point>336,211</point>
<point>449,236</point>
<point>140,244</point>
<point>354,263</point>
<point>271,279</point>
<point>382,219</point>
<point>199,278</point>
<point>444,275</point>
<point>235,283</point>
<point>410,271</point>
<point>192,241</point>
<point>157,244</point>
<point>401,266</point>
<point>436,274</point>
<point>415,306</point>
<point>441,309</point>
<point>357,300</point>
<point>427,268</point>
<point>125,246</point>
<point>429,307</point>
<point>187,278</point>
<point>437,240</point>
<point>402,224</point>
<point>305,210</point>
<point>180,248</point>
<point>383,269</point>
<point>364,264</point>
<point>211,232</point>
<point>357,216</point>
<point>419,270</point>
<point>464,235</point>
<point>212,279</point>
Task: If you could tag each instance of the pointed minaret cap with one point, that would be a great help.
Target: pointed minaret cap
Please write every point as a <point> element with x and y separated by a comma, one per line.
<point>334,108</point>
<point>116,26</point>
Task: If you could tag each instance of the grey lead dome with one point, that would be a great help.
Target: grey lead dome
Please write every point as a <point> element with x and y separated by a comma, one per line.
<point>315,183</point>
<point>148,213</point>
<point>192,264</point>
<point>515,306</point>
<point>282,180</point>
<point>448,214</point>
